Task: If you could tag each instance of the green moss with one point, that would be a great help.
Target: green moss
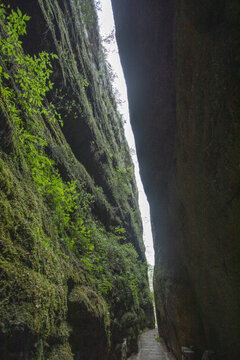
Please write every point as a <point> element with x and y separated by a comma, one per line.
<point>6,179</point>
<point>61,352</point>
<point>54,253</point>
<point>93,302</point>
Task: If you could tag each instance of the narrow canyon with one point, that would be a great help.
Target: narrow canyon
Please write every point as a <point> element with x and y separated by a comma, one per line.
<point>73,272</point>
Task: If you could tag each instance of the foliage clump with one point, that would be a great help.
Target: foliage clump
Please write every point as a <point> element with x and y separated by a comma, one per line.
<point>24,105</point>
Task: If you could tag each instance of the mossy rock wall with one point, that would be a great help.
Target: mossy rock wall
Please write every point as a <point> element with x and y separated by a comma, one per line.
<point>73,279</point>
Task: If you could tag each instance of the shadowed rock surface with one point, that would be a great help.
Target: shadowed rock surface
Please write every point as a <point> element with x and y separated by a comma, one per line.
<point>181,62</point>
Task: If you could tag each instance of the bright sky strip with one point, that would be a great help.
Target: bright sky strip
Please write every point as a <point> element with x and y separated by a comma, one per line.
<point>106,24</point>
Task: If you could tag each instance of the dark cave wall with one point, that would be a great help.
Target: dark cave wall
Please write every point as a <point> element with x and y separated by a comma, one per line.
<point>180,60</point>
<point>208,165</point>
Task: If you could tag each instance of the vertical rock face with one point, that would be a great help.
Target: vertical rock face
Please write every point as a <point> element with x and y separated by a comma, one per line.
<point>180,60</point>
<point>73,277</point>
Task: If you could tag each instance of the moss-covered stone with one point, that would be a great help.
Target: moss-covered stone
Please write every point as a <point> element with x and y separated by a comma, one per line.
<point>60,352</point>
<point>89,319</point>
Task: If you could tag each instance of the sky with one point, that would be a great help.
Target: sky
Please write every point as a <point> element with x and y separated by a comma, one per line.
<point>106,23</point>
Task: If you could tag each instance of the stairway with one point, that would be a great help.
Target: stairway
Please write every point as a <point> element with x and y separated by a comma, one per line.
<point>150,348</point>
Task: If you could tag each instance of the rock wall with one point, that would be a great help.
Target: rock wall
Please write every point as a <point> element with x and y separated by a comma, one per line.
<point>73,281</point>
<point>180,60</point>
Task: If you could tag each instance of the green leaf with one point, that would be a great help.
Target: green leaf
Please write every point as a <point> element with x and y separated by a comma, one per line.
<point>19,12</point>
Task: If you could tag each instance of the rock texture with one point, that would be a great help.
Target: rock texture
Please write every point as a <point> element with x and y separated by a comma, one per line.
<point>181,62</point>
<point>73,281</point>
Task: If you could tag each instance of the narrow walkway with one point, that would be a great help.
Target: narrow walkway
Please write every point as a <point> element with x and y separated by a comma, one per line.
<point>149,348</point>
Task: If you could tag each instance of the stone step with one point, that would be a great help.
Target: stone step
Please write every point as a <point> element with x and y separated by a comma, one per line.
<point>149,348</point>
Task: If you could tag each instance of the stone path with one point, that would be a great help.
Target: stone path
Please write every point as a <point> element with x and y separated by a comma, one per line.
<point>149,348</point>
